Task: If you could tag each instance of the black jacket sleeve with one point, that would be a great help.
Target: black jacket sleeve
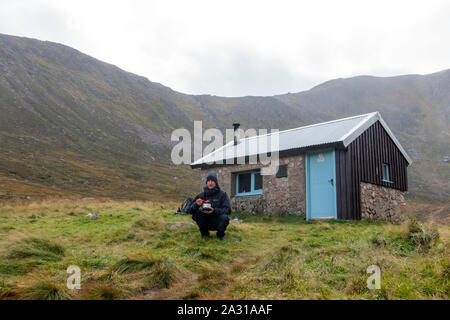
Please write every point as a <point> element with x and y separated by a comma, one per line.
<point>224,207</point>
<point>194,207</point>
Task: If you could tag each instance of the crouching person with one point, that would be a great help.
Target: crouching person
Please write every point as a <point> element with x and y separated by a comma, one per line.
<point>211,208</point>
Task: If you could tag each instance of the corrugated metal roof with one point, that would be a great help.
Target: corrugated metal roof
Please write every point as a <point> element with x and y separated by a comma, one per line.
<point>337,131</point>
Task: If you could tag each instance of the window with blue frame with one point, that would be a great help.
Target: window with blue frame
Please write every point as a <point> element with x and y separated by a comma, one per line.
<point>386,173</point>
<point>248,183</point>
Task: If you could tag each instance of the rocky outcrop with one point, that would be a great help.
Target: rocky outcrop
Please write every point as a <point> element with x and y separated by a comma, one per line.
<point>179,225</point>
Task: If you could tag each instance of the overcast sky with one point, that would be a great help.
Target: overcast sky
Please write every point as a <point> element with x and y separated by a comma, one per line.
<point>237,48</point>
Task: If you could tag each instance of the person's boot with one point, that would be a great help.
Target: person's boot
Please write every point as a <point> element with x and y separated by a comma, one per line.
<point>205,235</point>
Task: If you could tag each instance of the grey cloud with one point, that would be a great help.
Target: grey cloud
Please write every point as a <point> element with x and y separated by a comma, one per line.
<point>201,50</point>
<point>244,74</point>
<point>42,22</point>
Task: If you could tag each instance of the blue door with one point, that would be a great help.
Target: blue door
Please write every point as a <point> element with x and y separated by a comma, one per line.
<point>320,185</point>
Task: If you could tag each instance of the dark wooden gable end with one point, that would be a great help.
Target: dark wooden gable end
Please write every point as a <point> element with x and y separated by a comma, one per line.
<point>362,161</point>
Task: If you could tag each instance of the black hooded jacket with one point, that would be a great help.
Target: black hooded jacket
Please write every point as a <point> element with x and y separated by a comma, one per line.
<point>218,198</point>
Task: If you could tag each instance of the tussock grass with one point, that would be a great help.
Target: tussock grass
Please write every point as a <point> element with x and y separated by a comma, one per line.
<point>6,228</point>
<point>191,295</point>
<point>162,276</point>
<point>27,254</point>
<point>128,253</point>
<point>422,237</point>
<point>104,292</point>
<point>378,241</point>
<point>42,249</point>
<point>356,285</point>
<point>17,267</point>
<point>46,290</point>
<point>211,278</point>
<point>136,263</point>
<point>6,290</point>
<point>149,224</point>
<point>280,257</point>
<point>445,264</point>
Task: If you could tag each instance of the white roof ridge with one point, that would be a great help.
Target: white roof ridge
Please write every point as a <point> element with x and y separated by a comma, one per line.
<point>353,132</point>
<point>312,125</point>
<point>359,125</point>
<point>212,153</point>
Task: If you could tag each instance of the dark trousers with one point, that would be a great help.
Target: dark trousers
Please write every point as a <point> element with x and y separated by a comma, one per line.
<point>213,223</point>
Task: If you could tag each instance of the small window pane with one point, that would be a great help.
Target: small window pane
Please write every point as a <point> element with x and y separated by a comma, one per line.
<point>282,171</point>
<point>385,171</point>
<point>258,181</point>
<point>244,182</point>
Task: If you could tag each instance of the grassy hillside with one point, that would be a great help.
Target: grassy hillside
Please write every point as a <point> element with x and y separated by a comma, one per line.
<point>129,253</point>
<point>72,125</point>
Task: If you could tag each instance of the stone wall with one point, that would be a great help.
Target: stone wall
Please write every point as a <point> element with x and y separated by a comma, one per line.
<point>288,195</point>
<point>381,203</point>
<point>280,195</point>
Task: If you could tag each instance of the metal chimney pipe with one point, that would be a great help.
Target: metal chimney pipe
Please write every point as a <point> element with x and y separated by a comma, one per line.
<point>235,126</point>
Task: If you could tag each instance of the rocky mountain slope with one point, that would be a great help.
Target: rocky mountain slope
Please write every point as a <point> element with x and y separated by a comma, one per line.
<point>72,125</point>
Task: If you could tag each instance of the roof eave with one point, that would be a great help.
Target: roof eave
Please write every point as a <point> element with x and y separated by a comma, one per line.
<point>343,142</point>
<point>283,153</point>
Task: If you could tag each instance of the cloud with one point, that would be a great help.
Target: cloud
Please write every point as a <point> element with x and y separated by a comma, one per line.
<point>237,48</point>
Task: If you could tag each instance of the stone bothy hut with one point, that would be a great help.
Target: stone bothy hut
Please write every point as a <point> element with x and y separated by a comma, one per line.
<point>350,168</point>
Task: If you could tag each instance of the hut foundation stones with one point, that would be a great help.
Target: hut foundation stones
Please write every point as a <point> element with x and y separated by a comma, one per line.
<point>381,203</point>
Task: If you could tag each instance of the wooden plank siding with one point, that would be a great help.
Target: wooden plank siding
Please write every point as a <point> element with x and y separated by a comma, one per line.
<point>362,161</point>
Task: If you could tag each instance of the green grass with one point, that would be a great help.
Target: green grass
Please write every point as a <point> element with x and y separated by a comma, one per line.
<point>162,276</point>
<point>46,290</point>
<point>129,253</point>
<point>41,249</point>
<point>135,264</point>
<point>6,290</point>
<point>104,292</point>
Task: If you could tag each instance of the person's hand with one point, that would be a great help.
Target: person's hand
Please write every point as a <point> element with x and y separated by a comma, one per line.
<point>208,211</point>
<point>199,202</point>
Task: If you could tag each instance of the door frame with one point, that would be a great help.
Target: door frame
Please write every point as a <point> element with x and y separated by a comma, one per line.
<point>307,181</point>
